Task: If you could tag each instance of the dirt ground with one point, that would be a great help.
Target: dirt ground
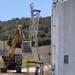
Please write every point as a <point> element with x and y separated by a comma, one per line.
<point>15,74</point>
<point>19,74</point>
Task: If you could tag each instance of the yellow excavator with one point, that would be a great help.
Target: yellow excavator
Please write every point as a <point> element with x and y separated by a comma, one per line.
<point>13,61</point>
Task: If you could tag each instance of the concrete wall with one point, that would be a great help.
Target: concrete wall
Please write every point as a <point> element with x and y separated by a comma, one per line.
<point>63,38</point>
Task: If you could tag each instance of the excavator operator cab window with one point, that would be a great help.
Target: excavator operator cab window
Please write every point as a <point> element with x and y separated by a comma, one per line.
<point>18,59</point>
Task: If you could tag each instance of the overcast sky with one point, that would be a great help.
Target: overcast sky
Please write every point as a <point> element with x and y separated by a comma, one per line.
<point>21,8</point>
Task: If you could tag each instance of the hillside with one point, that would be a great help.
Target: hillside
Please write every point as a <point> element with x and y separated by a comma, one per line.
<point>8,28</point>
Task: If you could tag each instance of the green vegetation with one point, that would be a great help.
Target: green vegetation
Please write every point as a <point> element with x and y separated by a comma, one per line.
<point>24,62</point>
<point>8,29</point>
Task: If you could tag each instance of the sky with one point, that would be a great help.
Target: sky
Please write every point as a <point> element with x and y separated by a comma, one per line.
<point>21,8</point>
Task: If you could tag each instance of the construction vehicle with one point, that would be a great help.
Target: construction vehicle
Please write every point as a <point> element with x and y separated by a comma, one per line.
<point>13,61</point>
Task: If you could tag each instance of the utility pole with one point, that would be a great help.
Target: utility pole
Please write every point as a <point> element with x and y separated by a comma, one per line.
<point>34,30</point>
<point>35,14</point>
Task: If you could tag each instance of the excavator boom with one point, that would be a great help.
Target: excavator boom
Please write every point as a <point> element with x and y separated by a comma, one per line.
<point>15,41</point>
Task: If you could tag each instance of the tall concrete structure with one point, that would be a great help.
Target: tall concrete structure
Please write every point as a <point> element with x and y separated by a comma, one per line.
<point>63,37</point>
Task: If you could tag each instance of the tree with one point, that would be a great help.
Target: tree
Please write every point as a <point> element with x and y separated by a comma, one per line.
<point>9,40</point>
<point>4,37</point>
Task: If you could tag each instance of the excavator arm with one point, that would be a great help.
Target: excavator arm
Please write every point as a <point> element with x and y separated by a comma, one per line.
<point>15,41</point>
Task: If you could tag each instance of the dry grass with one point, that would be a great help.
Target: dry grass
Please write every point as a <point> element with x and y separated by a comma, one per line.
<point>1,45</point>
<point>45,50</point>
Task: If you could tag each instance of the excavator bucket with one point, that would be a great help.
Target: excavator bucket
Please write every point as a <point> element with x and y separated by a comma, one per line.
<point>26,47</point>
